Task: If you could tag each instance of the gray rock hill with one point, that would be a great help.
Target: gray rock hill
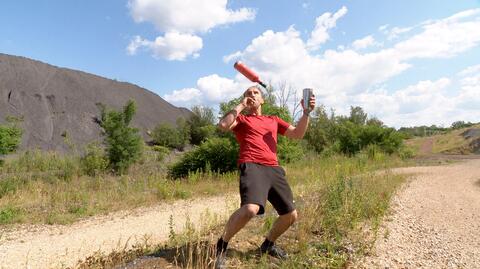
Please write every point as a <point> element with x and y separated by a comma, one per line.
<point>57,102</point>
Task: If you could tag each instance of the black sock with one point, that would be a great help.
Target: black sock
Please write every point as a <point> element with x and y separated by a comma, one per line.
<point>267,243</point>
<point>221,245</point>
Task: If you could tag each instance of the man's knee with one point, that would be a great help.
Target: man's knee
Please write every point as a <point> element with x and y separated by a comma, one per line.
<point>292,216</point>
<point>250,210</point>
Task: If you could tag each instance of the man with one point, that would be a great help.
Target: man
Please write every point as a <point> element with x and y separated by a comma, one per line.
<point>261,178</point>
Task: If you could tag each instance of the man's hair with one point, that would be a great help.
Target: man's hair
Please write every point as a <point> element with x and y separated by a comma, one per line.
<point>251,87</point>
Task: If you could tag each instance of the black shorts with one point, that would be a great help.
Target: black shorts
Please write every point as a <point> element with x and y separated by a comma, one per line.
<point>260,182</point>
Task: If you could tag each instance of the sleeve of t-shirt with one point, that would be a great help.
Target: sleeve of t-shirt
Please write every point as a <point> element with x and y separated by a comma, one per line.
<point>282,125</point>
<point>240,119</point>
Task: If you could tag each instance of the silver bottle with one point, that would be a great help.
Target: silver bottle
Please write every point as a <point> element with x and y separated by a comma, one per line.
<point>307,93</point>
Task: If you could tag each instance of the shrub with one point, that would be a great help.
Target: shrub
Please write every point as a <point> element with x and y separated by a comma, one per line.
<point>124,144</point>
<point>167,135</point>
<point>10,136</point>
<point>201,124</point>
<point>10,185</point>
<point>9,215</point>
<point>289,150</point>
<point>406,153</point>
<point>217,154</point>
<point>161,151</point>
<point>94,161</point>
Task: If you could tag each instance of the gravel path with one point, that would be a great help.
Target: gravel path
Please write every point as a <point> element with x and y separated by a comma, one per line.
<point>435,221</point>
<point>56,246</point>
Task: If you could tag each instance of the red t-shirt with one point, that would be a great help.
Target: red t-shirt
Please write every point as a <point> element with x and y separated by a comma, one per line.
<point>257,136</point>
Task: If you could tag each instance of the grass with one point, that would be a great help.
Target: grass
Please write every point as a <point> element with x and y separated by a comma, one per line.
<point>341,202</point>
<point>49,188</point>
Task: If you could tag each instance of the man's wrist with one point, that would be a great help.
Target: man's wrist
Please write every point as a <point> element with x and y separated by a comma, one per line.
<point>240,107</point>
<point>306,113</point>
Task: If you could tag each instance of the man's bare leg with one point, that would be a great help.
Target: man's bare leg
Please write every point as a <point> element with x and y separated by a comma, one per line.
<point>281,224</point>
<point>239,219</point>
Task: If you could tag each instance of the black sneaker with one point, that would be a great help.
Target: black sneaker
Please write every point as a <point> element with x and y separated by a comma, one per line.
<point>221,260</point>
<point>274,251</point>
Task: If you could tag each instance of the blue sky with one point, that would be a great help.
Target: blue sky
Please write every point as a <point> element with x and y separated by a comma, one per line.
<point>406,62</point>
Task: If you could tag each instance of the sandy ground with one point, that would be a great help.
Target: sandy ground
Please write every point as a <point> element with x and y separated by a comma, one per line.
<point>435,221</point>
<point>435,224</point>
<point>55,246</point>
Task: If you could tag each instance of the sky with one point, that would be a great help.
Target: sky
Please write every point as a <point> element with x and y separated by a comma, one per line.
<point>407,63</point>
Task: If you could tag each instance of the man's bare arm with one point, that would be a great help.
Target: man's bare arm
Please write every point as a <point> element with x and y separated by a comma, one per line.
<point>297,132</point>
<point>229,121</point>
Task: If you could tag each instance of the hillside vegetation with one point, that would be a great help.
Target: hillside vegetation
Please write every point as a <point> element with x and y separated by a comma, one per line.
<point>461,141</point>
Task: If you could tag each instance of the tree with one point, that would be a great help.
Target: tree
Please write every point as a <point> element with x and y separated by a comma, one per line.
<point>183,130</point>
<point>165,135</point>
<point>318,134</point>
<point>124,143</point>
<point>10,136</point>
<point>357,115</point>
<point>201,124</point>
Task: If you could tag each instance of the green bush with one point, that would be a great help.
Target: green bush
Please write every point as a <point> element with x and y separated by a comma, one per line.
<point>94,161</point>
<point>10,185</point>
<point>289,150</point>
<point>217,154</point>
<point>201,134</point>
<point>201,124</point>
<point>124,143</point>
<point>350,135</point>
<point>406,153</point>
<point>10,136</point>
<point>167,135</point>
<point>161,151</point>
<point>9,215</point>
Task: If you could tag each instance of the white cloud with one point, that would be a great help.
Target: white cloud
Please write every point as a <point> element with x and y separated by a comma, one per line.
<point>324,22</point>
<point>172,46</point>
<point>384,27</point>
<point>231,57</point>
<point>184,96</point>
<point>443,38</point>
<point>363,43</point>
<point>181,21</point>
<point>439,102</point>
<point>187,16</point>
<point>474,69</point>
<point>218,89</point>
<point>396,32</point>
<point>210,90</point>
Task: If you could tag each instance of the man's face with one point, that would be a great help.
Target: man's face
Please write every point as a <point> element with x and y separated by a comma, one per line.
<point>255,94</point>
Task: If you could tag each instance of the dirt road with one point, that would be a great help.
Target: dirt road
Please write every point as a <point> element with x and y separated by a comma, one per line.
<point>435,221</point>
<point>435,224</point>
<point>58,246</point>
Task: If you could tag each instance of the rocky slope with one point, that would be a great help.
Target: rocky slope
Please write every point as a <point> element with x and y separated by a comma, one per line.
<point>58,102</point>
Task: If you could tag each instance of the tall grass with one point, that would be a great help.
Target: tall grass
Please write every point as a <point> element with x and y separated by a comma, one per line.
<point>39,187</point>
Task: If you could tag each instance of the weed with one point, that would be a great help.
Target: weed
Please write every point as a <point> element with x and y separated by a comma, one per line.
<point>9,214</point>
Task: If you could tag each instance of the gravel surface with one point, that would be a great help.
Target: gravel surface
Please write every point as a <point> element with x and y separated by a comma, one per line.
<point>57,246</point>
<point>435,221</point>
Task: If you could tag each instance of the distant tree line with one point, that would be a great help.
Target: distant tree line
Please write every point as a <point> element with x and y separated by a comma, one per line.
<point>422,131</point>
